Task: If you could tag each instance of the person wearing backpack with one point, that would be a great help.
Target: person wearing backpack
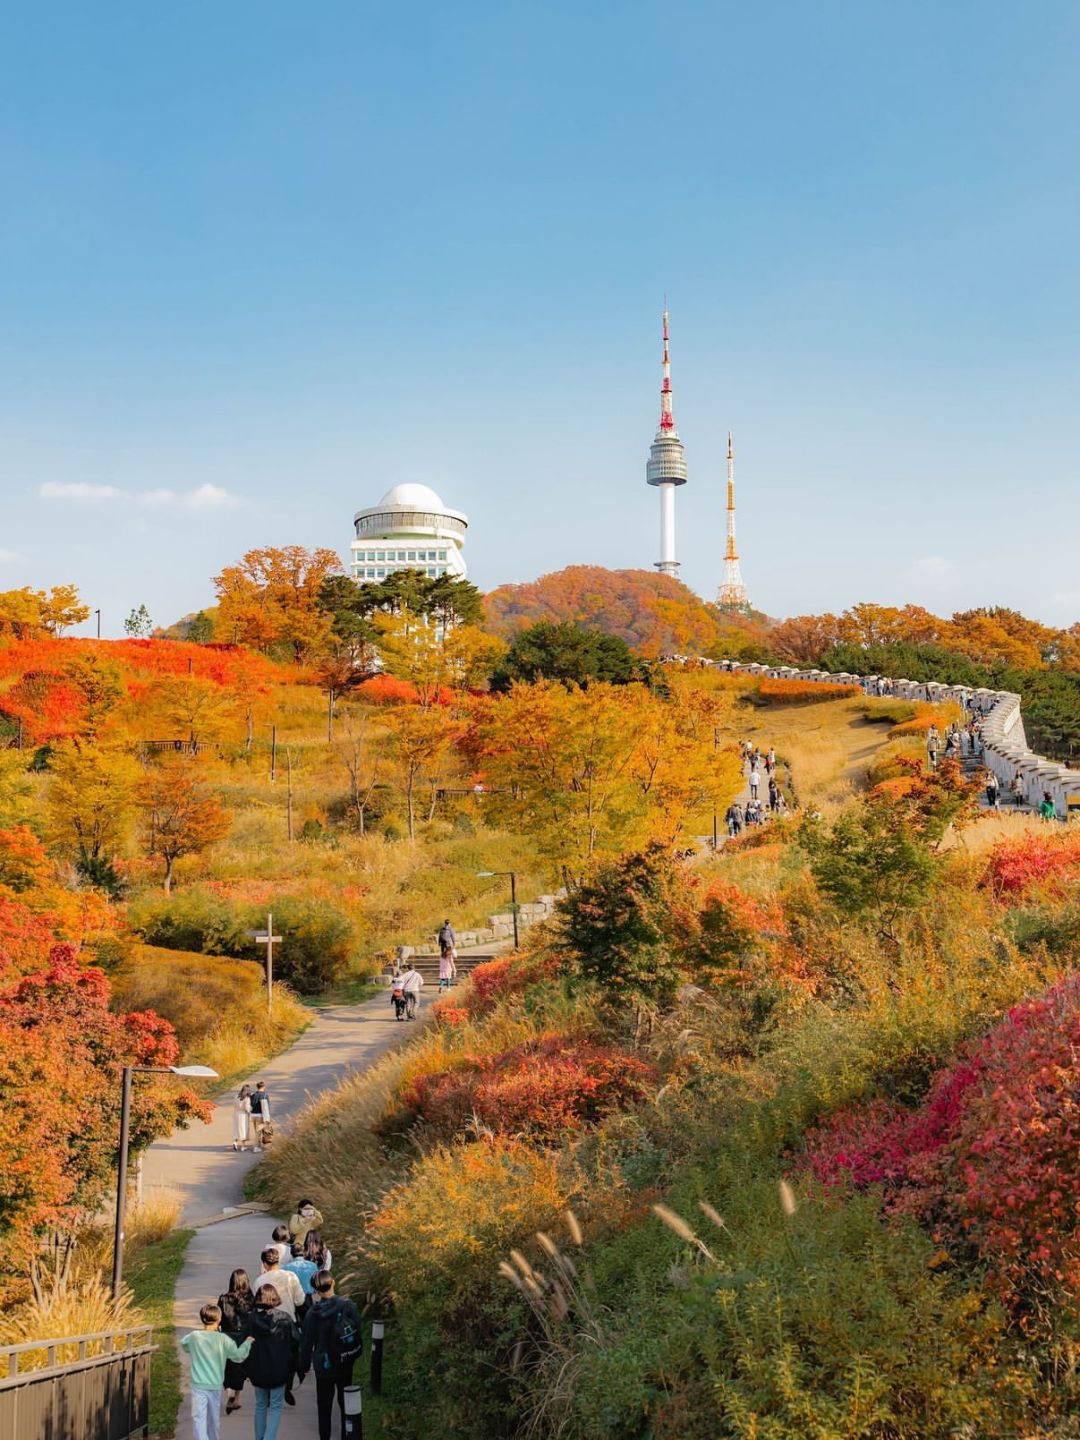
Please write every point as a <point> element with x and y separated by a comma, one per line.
<point>330,1345</point>
<point>260,1113</point>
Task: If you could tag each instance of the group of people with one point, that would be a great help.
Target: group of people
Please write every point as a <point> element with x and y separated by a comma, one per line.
<point>273,1331</point>
<point>756,766</point>
<point>406,982</point>
<point>962,742</point>
<point>252,1126</point>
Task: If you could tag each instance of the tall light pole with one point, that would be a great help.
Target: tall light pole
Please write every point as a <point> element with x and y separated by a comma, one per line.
<point>487,875</point>
<point>202,1072</point>
<point>98,614</point>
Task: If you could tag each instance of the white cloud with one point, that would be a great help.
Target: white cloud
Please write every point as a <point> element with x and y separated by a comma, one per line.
<point>9,556</point>
<point>202,497</point>
<point>78,490</point>
<point>934,565</point>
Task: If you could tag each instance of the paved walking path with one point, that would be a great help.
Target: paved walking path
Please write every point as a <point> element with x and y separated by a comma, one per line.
<point>201,1165</point>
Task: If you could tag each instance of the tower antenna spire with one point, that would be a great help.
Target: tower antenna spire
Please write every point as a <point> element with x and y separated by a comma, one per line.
<point>732,590</point>
<point>666,466</point>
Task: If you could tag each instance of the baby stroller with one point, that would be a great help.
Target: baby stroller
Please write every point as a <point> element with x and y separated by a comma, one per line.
<point>400,1002</point>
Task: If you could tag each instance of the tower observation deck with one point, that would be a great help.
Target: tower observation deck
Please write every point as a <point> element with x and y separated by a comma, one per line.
<point>666,466</point>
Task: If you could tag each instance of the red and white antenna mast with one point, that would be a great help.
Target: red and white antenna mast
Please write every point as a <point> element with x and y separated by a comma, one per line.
<point>732,591</point>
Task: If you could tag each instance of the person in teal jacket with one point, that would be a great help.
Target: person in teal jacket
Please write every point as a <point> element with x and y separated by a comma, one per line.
<point>208,1349</point>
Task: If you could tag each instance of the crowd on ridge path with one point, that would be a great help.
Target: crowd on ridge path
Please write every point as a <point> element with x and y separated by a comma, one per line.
<point>273,1331</point>
<point>288,1321</point>
<point>962,743</point>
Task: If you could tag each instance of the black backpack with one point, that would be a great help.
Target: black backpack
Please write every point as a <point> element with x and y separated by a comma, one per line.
<point>345,1343</point>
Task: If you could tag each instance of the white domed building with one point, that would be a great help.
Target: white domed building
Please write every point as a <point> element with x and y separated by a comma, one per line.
<point>409,529</point>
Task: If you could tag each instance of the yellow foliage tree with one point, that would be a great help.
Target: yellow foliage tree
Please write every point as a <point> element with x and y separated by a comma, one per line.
<point>91,801</point>
<point>30,614</point>
<point>433,657</point>
<point>419,744</point>
<point>596,772</point>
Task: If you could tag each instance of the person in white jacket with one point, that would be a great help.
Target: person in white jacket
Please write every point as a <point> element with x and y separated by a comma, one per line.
<point>412,983</point>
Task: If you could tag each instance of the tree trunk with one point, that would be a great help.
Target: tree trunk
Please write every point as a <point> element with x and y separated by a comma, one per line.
<point>166,882</point>
<point>409,805</point>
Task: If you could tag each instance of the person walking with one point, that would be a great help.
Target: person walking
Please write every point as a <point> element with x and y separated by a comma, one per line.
<point>330,1344</point>
<point>317,1250</point>
<point>285,1285</point>
<point>209,1350</point>
<point>281,1241</point>
<point>755,781</point>
<point>1016,790</point>
<point>242,1118</point>
<point>933,741</point>
<point>447,938</point>
<point>770,760</point>
<point>411,983</point>
<point>734,818</point>
<point>991,790</point>
<point>236,1305</point>
<point>304,1269</point>
<point>1047,810</point>
<point>446,969</point>
<point>260,1113</point>
<point>271,1365</point>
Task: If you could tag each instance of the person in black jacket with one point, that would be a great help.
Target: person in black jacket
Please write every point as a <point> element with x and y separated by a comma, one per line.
<point>236,1304</point>
<point>318,1350</point>
<point>271,1363</point>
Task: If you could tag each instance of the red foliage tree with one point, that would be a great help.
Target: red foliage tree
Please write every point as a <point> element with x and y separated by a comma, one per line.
<point>61,1053</point>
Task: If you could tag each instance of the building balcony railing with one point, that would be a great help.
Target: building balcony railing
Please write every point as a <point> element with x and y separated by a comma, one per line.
<point>398,521</point>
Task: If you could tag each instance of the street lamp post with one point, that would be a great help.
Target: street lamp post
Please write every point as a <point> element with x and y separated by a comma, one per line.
<point>192,1072</point>
<point>487,875</point>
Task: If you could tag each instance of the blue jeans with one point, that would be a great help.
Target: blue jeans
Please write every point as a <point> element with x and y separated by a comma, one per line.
<point>268,1407</point>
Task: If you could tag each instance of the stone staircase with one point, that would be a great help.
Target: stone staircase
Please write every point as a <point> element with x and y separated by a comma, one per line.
<point>474,946</point>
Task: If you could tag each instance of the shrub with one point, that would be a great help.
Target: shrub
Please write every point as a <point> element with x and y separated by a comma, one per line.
<point>318,939</point>
<point>803,692</point>
<point>633,928</point>
<point>194,919</point>
<point>1016,866</point>
<point>542,1088</point>
<point>990,1155</point>
<point>458,1209</point>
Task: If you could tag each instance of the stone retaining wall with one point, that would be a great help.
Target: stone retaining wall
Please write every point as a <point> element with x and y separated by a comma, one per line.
<point>499,927</point>
<point>1006,749</point>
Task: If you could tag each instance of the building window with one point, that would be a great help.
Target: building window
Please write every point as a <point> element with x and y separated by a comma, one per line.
<point>380,555</point>
<point>412,555</point>
<point>442,554</point>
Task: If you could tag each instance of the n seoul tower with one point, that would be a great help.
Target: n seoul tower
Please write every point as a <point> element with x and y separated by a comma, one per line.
<point>732,591</point>
<point>666,467</point>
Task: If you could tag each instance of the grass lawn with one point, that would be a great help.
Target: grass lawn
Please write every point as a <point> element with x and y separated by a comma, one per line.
<point>152,1272</point>
<point>352,990</point>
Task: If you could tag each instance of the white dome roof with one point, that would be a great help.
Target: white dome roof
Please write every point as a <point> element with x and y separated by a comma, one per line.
<point>413,497</point>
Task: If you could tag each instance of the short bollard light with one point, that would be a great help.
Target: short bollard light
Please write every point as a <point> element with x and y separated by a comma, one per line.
<point>378,1330</point>
<point>354,1418</point>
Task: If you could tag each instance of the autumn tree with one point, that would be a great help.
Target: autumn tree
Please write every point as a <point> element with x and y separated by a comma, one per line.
<point>28,614</point>
<point>61,1051</point>
<point>803,639</point>
<point>361,749</point>
<point>91,801</point>
<point>415,648</point>
<point>194,709</point>
<point>182,815</point>
<point>138,624</point>
<point>566,652</point>
<point>421,743</point>
<point>270,600</point>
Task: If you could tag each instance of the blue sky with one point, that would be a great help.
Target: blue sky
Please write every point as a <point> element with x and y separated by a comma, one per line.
<point>258,262</point>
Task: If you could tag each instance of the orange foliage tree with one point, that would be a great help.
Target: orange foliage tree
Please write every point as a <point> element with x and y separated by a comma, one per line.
<point>182,814</point>
<point>270,600</point>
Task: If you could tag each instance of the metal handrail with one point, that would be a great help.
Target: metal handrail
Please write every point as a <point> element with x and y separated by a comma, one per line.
<point>9,1354</point>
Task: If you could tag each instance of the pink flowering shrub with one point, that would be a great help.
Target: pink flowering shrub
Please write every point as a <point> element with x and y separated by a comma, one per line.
<point>991,1156</point>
